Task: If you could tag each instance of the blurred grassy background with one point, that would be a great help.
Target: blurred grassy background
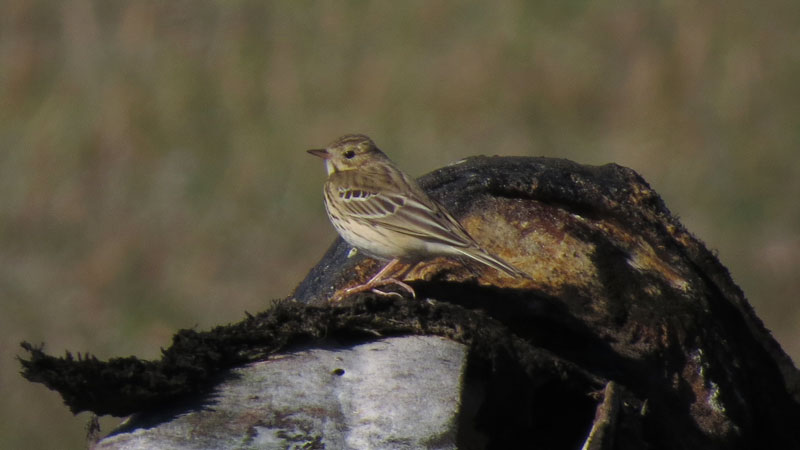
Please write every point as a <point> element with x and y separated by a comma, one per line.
<point>153,174</point>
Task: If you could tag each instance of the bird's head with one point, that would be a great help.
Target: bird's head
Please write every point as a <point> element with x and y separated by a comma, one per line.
<point>349,152</point>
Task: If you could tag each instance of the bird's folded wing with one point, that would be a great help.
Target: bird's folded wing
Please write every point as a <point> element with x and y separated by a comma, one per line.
<point>400,213</point>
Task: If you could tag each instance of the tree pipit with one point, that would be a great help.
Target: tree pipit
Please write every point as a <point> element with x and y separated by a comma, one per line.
<point>384,213</point>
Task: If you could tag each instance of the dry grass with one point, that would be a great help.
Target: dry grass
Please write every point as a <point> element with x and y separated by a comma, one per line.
<point>152,168</point>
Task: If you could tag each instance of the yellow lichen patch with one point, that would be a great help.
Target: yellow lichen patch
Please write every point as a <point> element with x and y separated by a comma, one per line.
<point>537,244</point>
<point>643,257</point>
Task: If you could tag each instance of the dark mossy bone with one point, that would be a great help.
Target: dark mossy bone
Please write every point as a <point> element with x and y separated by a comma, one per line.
<point>621,293</point>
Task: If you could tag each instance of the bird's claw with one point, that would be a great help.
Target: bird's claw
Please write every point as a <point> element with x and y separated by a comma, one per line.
<point>373,287</point>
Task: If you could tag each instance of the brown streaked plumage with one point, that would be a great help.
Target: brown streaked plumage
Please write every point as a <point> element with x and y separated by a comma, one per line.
<point>384,213</point>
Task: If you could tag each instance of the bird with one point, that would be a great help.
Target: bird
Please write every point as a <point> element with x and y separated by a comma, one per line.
<point>384,213</point>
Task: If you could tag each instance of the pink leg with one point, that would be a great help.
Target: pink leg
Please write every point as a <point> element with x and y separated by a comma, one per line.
<point>380,279</point>
<point>381,273</point>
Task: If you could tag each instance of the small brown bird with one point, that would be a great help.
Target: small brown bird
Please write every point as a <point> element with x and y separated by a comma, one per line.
<point>384,213</point>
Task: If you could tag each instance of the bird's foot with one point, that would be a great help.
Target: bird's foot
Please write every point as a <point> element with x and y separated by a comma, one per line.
<point>373,286</point>
<point>397,282</point>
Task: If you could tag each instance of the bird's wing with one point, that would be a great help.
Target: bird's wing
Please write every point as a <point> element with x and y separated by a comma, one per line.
<point>401,206</point>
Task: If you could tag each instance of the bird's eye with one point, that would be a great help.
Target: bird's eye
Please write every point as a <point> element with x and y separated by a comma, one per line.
<point>349,154</point>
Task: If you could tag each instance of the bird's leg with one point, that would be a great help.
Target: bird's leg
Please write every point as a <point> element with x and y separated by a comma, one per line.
<point>381,278</point>
<point>387,269</point>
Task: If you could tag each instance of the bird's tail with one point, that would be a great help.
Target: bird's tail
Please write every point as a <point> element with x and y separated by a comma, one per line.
<point>483,257</point>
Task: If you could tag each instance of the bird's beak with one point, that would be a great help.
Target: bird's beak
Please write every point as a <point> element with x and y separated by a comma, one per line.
<point>321,152</point>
